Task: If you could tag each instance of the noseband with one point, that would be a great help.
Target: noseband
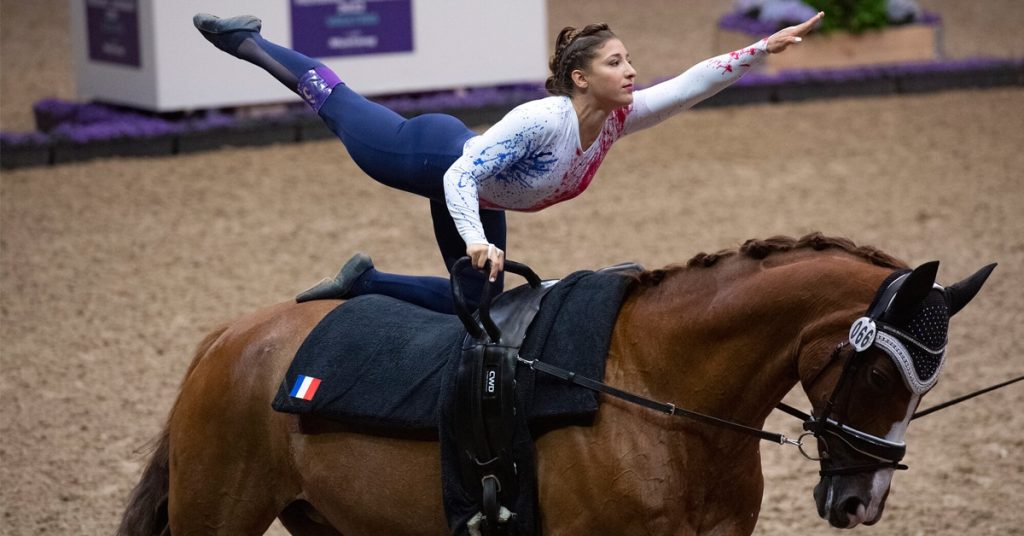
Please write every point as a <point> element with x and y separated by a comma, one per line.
<point>878,452</point>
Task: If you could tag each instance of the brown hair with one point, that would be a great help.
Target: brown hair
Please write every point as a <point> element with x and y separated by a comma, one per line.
<point>574,49</point>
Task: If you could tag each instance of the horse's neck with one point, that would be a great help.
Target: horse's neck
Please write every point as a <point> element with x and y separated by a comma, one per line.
<point>725,340</point>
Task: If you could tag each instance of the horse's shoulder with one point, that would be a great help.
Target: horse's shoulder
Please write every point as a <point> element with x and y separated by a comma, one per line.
<point>287,313</point>
<point>282,325</point>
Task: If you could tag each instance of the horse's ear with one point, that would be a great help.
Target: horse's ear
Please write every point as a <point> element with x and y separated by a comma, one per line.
<point>915,289</point>
<point>960,294</point>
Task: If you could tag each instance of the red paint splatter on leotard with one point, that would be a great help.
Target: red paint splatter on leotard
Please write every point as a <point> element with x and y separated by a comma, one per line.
<point>614,126</point>
<point>736,55</point>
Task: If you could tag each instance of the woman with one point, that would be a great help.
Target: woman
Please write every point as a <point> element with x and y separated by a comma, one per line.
<point>541,153</point>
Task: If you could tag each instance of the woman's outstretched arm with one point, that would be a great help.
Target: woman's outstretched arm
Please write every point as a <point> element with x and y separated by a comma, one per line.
<point>657,103</point>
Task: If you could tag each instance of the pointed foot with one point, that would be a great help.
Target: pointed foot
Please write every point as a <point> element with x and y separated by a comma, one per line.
<point>339,287</point>
<point>226,34</point>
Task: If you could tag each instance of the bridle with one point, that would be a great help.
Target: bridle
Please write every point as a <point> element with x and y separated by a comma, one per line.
<point>874,452</point>
<point>879,452</point>
<point>871,330</point>
<point>865,333</point>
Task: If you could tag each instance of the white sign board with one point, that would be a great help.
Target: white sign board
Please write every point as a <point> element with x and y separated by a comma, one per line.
<point>147,54</point>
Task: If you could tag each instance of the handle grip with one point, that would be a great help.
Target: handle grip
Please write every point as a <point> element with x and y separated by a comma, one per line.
<point>477,328</point>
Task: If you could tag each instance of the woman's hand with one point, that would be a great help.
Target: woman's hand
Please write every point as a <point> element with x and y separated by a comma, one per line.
<point>794,34</point>
<point>481,253</point>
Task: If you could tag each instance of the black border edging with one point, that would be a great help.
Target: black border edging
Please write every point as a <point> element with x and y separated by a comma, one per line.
<point>26,155</point>
<point>66,152</point>
<point>794,86</point>
<point>251,133</point>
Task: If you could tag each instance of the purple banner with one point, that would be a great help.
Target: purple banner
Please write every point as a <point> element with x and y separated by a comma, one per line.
<point>328,28</point>
<point>113,28</point>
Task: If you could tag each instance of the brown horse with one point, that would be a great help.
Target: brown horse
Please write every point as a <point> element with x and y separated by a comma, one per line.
<point>728,335</point>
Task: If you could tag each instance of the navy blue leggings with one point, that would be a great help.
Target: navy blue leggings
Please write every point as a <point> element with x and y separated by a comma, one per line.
<point>407,154</point>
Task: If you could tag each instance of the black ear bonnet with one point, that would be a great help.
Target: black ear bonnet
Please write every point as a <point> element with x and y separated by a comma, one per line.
<point>911,330</point>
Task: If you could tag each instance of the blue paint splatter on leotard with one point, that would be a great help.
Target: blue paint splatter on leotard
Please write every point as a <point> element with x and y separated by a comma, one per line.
<point>519,158</point>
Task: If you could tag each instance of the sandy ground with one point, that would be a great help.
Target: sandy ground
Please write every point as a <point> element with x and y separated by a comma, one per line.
<point>113,270</point>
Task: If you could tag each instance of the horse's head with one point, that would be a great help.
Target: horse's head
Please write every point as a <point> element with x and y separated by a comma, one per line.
<point>865,395</point>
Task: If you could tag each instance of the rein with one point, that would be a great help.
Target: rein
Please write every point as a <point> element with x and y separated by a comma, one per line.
<point>664,407</point>
<point>866,331</point>
<point>964,398</point>
<point>809,421</point>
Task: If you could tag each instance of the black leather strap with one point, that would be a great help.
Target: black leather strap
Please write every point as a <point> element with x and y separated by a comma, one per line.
<point>663,407</point>
<point>790,410</point>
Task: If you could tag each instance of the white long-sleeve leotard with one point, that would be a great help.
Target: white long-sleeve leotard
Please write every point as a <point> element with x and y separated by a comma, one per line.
<point>532,159</point>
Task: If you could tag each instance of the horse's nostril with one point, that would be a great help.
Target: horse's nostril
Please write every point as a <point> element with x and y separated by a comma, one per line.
<point>851,506</point>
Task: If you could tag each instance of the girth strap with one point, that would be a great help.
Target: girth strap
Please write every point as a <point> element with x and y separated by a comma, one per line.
<point>486,418</point>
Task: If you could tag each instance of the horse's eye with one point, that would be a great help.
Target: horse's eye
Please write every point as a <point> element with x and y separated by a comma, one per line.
<point>879,380</point>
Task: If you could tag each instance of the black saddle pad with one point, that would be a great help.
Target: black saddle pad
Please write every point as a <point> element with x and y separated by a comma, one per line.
<point>384,363</point>
<point>373,361</point>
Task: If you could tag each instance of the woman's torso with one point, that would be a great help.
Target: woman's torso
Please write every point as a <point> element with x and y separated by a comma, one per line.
<point>550,166</point>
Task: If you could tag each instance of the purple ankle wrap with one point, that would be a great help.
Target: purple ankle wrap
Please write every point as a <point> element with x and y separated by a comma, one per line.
<point>316,85</point>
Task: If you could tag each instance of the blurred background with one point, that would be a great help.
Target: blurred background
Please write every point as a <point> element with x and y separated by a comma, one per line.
<point>112,269</point>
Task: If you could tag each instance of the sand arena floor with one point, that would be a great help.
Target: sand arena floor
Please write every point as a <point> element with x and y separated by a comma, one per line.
<point>113,270</point>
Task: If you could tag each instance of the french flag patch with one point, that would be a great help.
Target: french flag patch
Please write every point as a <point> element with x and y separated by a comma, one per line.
<point>305,387</point>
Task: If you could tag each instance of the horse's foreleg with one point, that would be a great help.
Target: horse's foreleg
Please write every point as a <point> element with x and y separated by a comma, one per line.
<point>368,485</point>
<point>222,481</point>
<point>230,471</point>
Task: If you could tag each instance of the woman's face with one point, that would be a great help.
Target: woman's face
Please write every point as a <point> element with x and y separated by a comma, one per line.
<point>609,78</point>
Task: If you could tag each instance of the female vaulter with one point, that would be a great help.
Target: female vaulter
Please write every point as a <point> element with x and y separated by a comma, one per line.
<point>543,152</point>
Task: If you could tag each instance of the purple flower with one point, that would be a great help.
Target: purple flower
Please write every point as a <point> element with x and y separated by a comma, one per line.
<point>23,139</point>
<point>467,98</point>
<point>903,11</point>
<point>750,8</point>
<point>126,128</point>
<point>765,17</point>
<point>212,120</point>
<point>739,22</point>
<point>783,13</point>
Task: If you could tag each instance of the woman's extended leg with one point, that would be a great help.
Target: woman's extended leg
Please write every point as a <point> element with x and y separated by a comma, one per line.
<point>359,277</point>
<point>410,155</point>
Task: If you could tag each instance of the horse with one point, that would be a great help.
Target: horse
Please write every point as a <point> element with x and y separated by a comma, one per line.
<point>726,334</point>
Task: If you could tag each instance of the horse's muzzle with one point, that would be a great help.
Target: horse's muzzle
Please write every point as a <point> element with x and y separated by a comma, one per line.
<point>845,505</point>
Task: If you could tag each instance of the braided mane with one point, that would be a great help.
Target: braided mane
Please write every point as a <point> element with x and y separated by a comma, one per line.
<point>759,249</point>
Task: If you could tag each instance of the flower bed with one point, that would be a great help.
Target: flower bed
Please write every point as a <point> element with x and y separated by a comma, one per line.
<point>70,132</point>
<point>910,35</point>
